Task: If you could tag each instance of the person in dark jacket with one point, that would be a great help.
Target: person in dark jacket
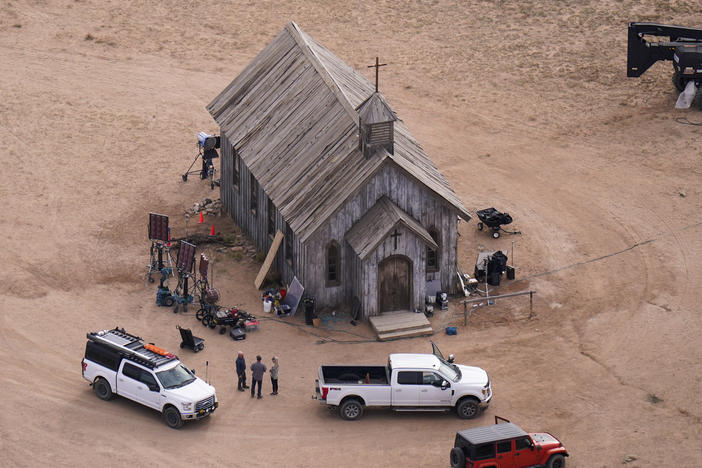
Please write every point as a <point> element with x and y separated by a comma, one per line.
<point>241,372</point>
<point>257,370</point>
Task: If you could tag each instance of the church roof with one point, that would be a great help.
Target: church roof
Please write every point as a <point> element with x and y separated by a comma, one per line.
<point>374,226</point>
<point>375,109</point>
<point>291,116</point>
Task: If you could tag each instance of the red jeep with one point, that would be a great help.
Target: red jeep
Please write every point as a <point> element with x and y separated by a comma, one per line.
<point>505,445</point>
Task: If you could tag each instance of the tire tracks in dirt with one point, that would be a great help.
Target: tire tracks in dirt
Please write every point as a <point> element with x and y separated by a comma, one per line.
<point>606,256</point>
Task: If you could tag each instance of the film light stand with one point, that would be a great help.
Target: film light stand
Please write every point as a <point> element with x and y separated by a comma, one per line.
<point>160,235</point>
<point>185,266</point>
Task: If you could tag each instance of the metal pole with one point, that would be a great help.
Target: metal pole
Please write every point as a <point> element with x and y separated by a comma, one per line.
<point>377,66</point>
<point>501,296</point>
<point>487,293</point>
<point>494,298</point>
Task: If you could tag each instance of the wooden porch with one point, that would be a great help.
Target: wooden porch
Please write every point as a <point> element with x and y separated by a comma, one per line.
<point>401,324</point>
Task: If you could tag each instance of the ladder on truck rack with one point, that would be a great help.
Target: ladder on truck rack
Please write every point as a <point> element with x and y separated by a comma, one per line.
<point>131,347</point>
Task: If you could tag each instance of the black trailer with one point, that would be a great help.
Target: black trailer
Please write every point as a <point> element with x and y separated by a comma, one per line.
<point>493,219</point>
<point>683,48</point>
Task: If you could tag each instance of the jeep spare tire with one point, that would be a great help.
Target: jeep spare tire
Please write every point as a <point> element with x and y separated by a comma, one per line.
<point>458,458</point>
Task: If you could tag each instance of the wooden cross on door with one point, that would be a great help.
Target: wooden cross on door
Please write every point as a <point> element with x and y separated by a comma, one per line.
<point>394,236</point>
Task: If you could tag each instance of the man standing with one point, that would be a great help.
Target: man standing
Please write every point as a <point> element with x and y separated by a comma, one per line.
<point>274,375</point>
<point>241,372</point>
<point>257,370</point>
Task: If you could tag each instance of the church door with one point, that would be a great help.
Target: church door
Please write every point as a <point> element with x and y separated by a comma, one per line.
<point>394,276</point>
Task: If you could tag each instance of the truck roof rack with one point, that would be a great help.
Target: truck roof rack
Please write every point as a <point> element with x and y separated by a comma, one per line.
<point>131,347</point>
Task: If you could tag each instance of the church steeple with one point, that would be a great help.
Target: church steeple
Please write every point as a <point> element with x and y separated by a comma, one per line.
<point>377,125</point>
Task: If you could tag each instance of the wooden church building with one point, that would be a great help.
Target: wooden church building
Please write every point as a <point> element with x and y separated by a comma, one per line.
<point>311,149</point>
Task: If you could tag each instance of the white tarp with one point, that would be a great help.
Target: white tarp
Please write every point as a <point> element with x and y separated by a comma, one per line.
<point>687,96</point>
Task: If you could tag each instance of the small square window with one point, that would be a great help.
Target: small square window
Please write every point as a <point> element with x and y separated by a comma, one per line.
<point>522,443</point>
<point>503,447</point>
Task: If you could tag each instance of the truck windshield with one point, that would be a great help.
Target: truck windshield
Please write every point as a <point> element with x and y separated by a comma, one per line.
<point>178,376</point>
<point>449,371</point>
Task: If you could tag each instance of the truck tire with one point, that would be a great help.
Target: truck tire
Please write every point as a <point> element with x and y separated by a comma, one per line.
<point>678,82</point>
<point>556,461</point>
<point>458,458</point>
<point>468,408</point>
<point>351,409</point>
<point>102,389</point>
<point>171,416</point>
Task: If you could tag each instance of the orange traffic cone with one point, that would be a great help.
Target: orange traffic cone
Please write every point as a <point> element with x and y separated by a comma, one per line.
<point>212,232</point>
<point>201,219</point>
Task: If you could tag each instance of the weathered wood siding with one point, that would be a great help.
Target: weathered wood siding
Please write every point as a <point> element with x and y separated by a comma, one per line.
<point>415,199</point>
<point>237,203</point>
<point>291,115</point>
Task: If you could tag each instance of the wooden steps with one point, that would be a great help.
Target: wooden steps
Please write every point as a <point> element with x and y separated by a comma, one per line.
<point>394,325</point>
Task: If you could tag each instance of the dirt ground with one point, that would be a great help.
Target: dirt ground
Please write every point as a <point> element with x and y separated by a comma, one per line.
<point>524,106</point>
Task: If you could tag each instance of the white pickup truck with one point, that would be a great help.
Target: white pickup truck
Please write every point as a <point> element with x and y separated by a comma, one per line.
<point>409,382</point>
<point>117,363</point>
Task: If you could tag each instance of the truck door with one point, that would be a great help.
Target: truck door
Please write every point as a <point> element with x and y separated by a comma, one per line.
<point>431,393</point>
<point>150,391</point>
<point>505,457</point>
<point>405,392</point>
<point>524,452</point>
<point>136,384</point>
<point>436,351</point>
<point>128,381</point>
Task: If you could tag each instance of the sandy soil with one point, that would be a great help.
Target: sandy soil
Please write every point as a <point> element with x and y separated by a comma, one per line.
<point>523,105</point>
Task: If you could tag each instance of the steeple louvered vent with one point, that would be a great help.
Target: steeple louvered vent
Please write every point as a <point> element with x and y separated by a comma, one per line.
<point>377,125</point>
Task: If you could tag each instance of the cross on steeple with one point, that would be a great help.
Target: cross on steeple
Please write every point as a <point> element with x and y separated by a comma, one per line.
<point>376,66</point>
<point>394,236</point>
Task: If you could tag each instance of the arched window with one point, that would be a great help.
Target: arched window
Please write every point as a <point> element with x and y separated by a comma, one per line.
<point>236,169</point>
<point>271,219</point>
<point>254,195</point>
<point>288,244</point>
<point>333,264</point>
<point>432,253</point>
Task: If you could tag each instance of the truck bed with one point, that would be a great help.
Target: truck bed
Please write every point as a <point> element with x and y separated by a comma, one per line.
<point>375,375</point>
